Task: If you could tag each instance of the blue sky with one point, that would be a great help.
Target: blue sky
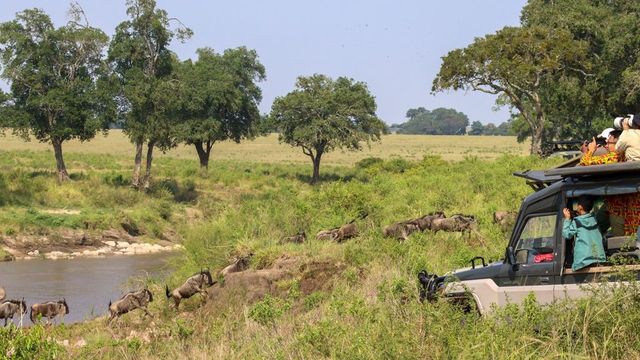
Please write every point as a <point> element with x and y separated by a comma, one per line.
<point>393,46</point>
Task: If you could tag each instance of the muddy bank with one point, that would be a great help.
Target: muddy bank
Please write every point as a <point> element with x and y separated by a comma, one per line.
<point>70,243</point>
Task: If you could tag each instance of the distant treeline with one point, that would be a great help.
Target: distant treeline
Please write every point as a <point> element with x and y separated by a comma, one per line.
<point>443,121</point>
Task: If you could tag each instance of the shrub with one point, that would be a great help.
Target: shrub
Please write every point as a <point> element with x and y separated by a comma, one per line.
<point>32,343</point>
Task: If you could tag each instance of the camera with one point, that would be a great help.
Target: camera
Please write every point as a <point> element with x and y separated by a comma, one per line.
<point>619,121</point>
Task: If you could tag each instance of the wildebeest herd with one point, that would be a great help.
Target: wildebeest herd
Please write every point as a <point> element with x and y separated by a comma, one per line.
<point>200,281</point>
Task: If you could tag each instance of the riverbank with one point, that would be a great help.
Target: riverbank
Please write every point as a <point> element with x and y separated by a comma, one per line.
<point>70,244</point>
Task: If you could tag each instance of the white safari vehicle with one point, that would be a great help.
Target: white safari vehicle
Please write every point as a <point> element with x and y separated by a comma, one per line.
<point>537,259</point>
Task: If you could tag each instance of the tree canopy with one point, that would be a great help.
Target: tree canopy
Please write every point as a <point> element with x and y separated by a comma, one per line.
<point>516,63</point>
<point>54,75</point>
<point>322,114</point>
<point>440,121</point>
<point>221,98</point>
<point>143,66</point>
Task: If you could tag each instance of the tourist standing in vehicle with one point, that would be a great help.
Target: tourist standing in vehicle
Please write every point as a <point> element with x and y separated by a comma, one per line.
<point>628,144</point>
<point>587,248</point>
<point>611,156</point>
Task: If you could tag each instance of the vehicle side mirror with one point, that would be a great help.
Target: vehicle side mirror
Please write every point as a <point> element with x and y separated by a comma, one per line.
<point>511,256</point>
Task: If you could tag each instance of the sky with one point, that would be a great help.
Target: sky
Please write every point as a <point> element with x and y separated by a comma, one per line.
<point>393,46</point>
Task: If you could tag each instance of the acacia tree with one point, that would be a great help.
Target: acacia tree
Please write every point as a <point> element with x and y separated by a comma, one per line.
<point>517,64</point>
<point>221,98</point>
<point>53,74</point>
<point>142,64</point>
<point>322,114</point>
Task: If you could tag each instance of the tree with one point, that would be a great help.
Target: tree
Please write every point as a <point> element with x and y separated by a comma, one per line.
<point>53,75</point>
<point>143,64</point>
<point>516,63</point>
<point>221,98</point>
<point>578,107</point>
<point>323,114</point>
<point>476,128</point>
<point>440,121</point>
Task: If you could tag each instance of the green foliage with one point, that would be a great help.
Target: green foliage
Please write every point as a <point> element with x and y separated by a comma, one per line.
<point>440,121</point>
<point>323,114</point>
<point>517,63</point>
<point>268,310</point>
<point>32,344</point>
<point>143,78</point>
<point>54,75</point>
<point>220,98</point>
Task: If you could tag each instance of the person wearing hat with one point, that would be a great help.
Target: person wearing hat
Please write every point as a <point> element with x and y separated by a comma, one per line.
<point>628,144</point>
<point>592,156</point>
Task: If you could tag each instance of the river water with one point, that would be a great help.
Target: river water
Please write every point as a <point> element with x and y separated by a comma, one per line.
<point>87,283</point>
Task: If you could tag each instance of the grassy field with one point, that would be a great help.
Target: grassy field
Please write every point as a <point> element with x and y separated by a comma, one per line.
<point>248,203</point>
<point>267,149</point>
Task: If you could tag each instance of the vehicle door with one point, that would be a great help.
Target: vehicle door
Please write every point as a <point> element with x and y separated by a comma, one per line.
<point>535,246</point>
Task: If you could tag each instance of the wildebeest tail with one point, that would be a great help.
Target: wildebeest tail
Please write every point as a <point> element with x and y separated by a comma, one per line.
<point>31,315</point>
<point>166,290</point>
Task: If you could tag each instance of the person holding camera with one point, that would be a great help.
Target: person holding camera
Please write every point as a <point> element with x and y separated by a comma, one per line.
<point>628,144</point>
<point>610,155</point>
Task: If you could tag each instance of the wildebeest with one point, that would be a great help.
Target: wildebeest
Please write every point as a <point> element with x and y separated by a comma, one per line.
<point>425,221</point>
<point>197,283</point>
<point>346,231</point>
<point>327,234</point>
<point>339,234</point>
<point>455,223</point>
<point>11,307</point>
<point>49,310</point>
<point>129,302</point>
<point>3,294</point>
<point>504,218</point>
<point>241,263</point>
<point>400,230</point>
<point>298,238</point>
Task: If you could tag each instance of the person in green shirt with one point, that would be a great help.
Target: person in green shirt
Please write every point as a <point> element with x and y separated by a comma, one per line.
<point>587,248</point>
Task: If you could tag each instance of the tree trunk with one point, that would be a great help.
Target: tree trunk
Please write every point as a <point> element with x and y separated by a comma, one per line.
<point>204,151</point>
<point>536,141</point>
<point>538,129</point>
<point>147,174</point>
<point>135,182</point>
<point>316,168</point>
<point>62,169</point>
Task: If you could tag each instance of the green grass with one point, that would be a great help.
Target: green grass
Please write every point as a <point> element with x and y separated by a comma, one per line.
<point>371,312</point>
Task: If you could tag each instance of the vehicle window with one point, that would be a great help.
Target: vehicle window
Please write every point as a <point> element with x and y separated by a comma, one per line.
<point>537,240</point>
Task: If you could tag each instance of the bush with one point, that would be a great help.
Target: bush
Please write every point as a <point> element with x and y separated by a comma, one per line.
<point>268,310</point>
<point>32,343</point>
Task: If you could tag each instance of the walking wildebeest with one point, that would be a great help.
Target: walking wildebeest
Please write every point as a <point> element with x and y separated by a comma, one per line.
<point>346,231</point>
<point>10,307</point>
<point>239,264</point>
<point>49,310</point>
<point>197,283</point>
<point>129,302</point>
<point>400,230</point>
<point>455,223</point>
<point>298,238</point>
<point>424,222</point>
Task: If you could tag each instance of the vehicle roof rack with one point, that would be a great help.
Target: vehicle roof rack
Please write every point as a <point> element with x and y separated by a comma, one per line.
<point>539,179</point>
<point>595,170</point>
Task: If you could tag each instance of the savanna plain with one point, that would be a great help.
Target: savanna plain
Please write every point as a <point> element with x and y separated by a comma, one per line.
<point>319,299</point>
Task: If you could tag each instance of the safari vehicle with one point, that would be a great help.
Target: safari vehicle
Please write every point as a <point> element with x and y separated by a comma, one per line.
<point>537,258</point>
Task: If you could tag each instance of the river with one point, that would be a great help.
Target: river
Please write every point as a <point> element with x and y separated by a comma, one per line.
<point>87,283</point>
